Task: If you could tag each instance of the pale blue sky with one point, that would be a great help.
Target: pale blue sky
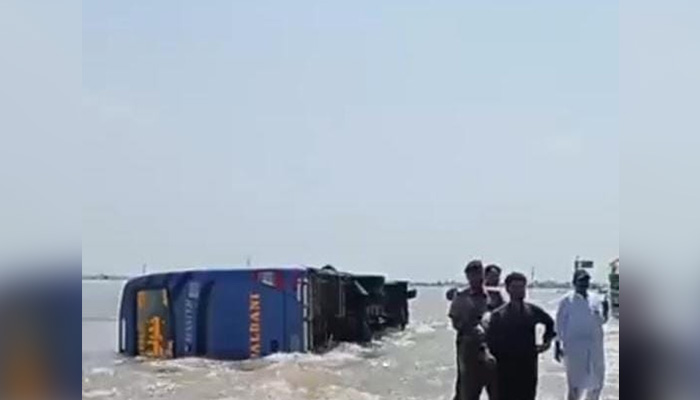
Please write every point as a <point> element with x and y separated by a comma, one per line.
<point>401,137</point>
<point>40,141</point>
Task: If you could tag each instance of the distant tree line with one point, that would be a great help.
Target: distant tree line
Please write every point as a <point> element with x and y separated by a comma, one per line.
<point>104,277</point>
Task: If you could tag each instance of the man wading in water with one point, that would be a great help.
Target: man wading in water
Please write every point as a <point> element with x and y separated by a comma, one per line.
<point>475,364</point>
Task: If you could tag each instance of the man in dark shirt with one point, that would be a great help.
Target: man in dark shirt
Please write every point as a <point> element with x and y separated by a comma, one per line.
<point>511,339</point>
<point>475,364</point>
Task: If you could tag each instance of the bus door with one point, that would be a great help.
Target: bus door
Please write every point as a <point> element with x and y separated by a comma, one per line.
<point>153,324</point>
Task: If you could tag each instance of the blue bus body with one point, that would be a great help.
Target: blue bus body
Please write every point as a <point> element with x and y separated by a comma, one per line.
<point>242,314</point>
<point>223,314</point>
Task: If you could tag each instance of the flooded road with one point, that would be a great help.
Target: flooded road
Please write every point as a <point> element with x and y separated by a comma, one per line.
<point>417,364</point>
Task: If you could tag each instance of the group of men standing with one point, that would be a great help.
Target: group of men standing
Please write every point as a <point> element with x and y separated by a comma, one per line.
<point>497,350</point>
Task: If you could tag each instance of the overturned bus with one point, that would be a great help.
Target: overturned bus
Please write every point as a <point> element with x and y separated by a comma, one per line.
<point>251,313</point>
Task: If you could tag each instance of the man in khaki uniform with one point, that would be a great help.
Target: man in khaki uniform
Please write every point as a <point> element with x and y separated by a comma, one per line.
<point>475,364</point>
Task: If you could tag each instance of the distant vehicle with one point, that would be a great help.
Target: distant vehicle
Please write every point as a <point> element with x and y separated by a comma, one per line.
<point>251,313</point>
<point>614,279</point>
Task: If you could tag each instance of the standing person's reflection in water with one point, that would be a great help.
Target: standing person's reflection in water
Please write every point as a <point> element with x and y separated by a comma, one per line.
<point>475,364</point>
<point>511,338</point>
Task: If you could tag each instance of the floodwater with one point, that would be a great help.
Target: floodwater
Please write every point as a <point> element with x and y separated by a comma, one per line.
<point>417,364</point>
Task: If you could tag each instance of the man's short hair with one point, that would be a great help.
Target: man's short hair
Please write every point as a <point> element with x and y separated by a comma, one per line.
<point>494,268</point>
<point>515,277</point>
<point>581,274</point>
<point>473,265</point>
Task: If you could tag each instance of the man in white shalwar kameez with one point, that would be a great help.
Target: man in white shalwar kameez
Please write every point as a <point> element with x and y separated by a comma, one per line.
<point>579,323</point>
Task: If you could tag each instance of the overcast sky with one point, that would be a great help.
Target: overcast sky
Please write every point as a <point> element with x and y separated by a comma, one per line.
<point>401,137</point>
